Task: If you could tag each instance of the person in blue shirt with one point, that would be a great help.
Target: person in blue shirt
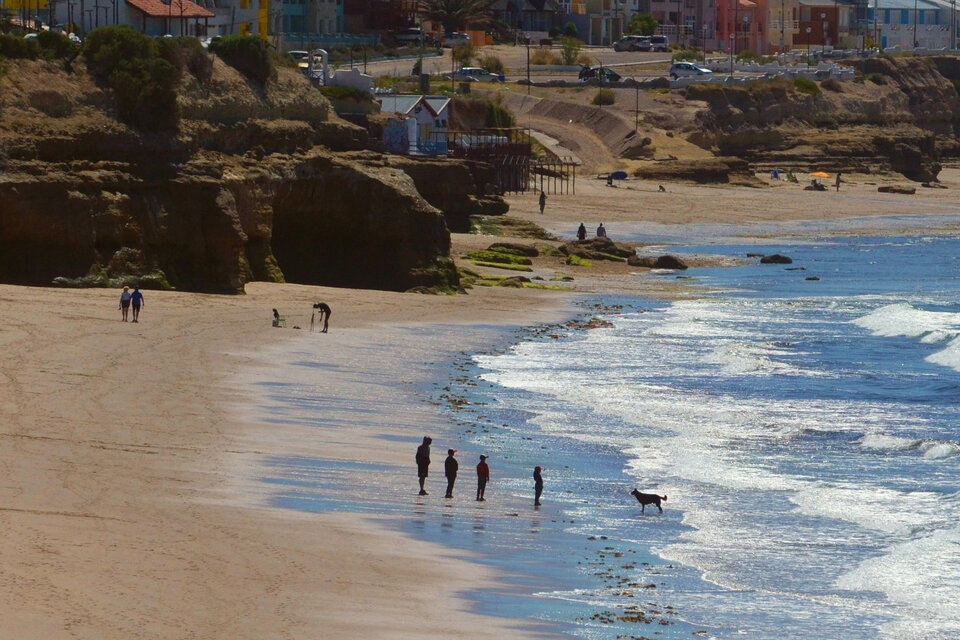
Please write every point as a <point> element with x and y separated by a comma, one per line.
<point>136,301</point>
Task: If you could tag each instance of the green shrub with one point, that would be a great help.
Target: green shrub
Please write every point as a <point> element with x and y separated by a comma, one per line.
<point>13,46</point>
<point>250,55</point>
<point>187,53</point>
<point>143,82</point>
<point>345,93</point>
<point>604,96</point>
<point>806,85</point>
<point>498,116</point>
<point>832,84</point>
<point>877,78</point>
<point>570,30</point>
<point>554,32</point>
<point>691,55</point>
<point>491,63</point>
<point>55,44</point>
<point>570,50</point>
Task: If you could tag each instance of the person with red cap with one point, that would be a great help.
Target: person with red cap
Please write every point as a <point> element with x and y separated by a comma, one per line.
<point>450,466</point>
<point>483,474</point>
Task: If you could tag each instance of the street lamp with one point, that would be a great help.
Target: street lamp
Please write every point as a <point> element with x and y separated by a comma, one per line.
<point>732,38</point>
<point>808,30</point>
<point>781,26</point>
<point>823,34</point>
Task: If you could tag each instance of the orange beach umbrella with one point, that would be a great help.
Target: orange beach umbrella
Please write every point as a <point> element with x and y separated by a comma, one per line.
<point>820,174</point>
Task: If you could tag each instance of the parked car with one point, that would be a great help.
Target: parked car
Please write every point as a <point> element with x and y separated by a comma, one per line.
<point>299,56</point>
<point>413,35</point>
<point>605,73</point>
<point>476,74</point>
<point>686,69</point>
<point>453,39</point>
<point>632,43</point>
<point>660,43</point>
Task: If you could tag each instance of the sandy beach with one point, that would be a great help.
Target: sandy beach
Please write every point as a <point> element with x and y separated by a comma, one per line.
<point>132,506</point>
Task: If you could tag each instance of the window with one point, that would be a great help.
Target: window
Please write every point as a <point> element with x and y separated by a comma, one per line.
<point>904,16</point>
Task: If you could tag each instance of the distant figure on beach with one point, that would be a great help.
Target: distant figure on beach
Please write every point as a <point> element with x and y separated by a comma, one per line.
<point>450,467</point>
<point>324,315</point>
<point>423,462</point>
<point>838,189</point>
<point>136,301</point>
<point>124,307</point>
<point>276,318</point>
<point>483,475</point>
<point>582,232</point>
<point>543,202</point>
<point>601,232</point>
<point>662,189</point>
<point>775,174</point>
<point>537,486</point>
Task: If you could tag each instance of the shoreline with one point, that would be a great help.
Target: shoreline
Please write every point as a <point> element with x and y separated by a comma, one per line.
<point>122,514</point>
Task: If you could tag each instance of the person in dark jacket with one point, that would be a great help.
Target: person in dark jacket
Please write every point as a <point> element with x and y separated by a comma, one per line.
<point>581,232</point>
<point>537,485</point>
<point>450,466</point>
<point>483,474</point>
<point>423,462</point>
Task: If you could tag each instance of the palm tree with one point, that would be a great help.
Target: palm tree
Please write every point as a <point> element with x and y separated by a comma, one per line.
<point>454,15</point>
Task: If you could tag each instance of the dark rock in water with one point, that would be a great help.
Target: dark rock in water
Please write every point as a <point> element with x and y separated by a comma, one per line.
<point>662,262</point>
<point>776,258</point>
<point>515,248</point>
<point>812,278</point>
<point>755,255</point>
<point>514,281</point>
<point>895,188</point>
<point>795,269</point>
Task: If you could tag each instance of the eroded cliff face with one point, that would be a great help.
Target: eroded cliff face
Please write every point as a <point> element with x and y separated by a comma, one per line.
<point>257,184</point>
<point>903,118</point>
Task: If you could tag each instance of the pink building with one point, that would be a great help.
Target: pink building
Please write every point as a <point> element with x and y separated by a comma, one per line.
<point>741,24</point>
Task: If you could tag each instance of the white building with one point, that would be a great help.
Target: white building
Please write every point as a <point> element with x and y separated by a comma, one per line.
<point>906,24</point>
<point>425,121</point>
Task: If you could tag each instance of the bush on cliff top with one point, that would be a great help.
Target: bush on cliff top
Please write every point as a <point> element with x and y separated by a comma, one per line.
<point>249,55</point>
<point>142,80</point>
<point>48,44</point>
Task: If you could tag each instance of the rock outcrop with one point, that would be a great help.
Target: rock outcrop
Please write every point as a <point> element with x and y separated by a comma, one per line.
<point>256,184</point>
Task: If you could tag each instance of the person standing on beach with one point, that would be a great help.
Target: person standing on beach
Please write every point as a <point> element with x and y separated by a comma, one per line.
<point>601,232</point>
<point>543,202</point>
<point>125,297</point>
<point>483,474</point>
<point>838,181</point>
<point>537,486</point>
<point>136,301</point>
<point>450,467</point>
<point>582,232</point>
<point>324,315</point>
<point>423,462</point>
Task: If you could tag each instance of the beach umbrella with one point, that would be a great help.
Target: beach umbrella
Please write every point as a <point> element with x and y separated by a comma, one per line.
<point>820,174</point>
<point>618,175</point>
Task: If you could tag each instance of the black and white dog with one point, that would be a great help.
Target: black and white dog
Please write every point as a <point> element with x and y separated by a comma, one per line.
<point>648,498</point>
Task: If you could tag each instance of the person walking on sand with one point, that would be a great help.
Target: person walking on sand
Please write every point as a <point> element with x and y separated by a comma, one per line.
<point>450,467</point>
<point>136,301</point>
<point>582,232</point>
<point>543,202</point>
<point>124,307</point>
<point>423,462</point>
<point>483,474</point>
<point>838,181</point>
<point>324,315</point>
<point>537,486</point>
<point>601,232</point>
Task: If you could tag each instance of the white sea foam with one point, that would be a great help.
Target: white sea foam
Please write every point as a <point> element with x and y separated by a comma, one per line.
<point>921,575</point>
<point>903,319</point>
<point>882,441</point>
<point>937,450</point>
<point>948,357</point>
<point>876,508</point>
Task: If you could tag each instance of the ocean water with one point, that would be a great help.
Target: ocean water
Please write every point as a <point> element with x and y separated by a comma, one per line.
<point>806,433</point>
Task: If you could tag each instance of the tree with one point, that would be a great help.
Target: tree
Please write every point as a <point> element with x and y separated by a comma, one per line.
<point>643,23</point>
<point>570,50</point>
<point>455,15</point>
<point>570,30</point>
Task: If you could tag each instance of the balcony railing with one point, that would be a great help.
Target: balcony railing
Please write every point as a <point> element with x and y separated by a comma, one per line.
<point>788,25</point>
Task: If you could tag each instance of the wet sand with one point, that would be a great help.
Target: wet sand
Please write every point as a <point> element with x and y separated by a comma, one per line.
<point>131,504</point>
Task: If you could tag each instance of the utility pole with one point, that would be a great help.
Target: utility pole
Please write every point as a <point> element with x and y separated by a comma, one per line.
<point>781,26</point>
<point>915,43</point>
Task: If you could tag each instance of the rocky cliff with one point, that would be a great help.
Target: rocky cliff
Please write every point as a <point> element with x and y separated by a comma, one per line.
<point>258,183</point>
<point>902,114</point>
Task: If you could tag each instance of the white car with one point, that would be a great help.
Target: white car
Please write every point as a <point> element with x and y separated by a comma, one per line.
<point>476,74</point>
<point>453,39</point>
<point>687,69</point>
